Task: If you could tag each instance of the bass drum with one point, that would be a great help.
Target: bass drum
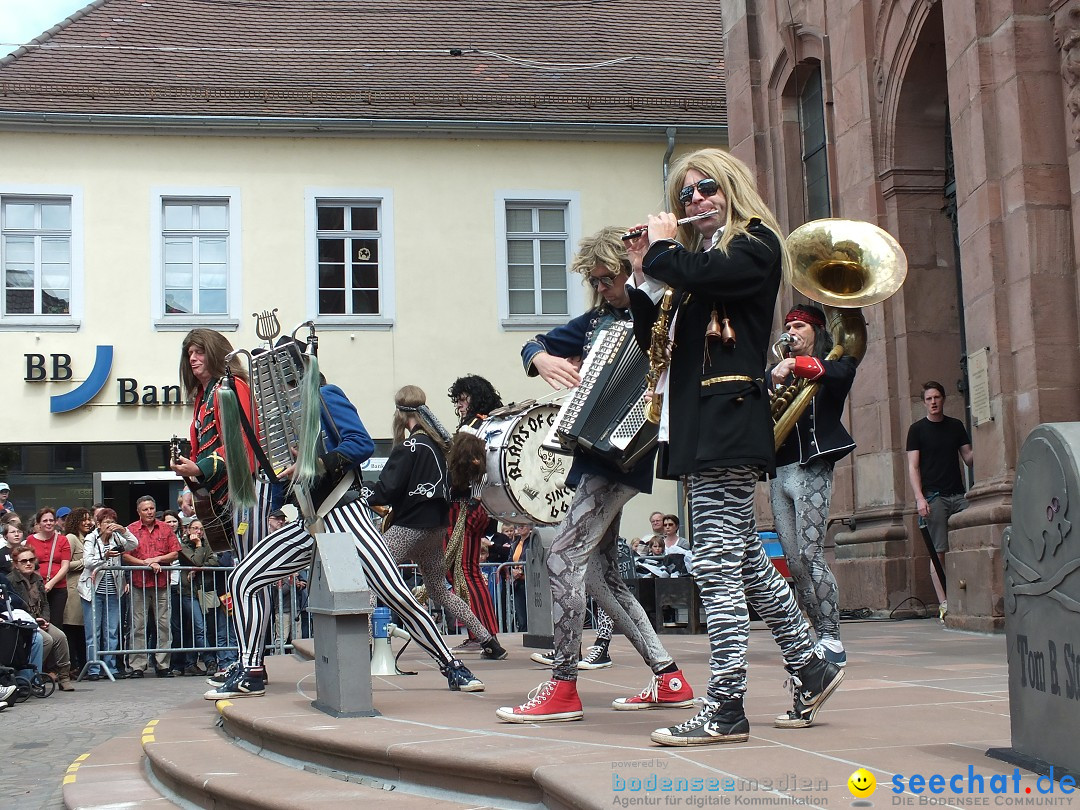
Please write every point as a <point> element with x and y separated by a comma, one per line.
<point>526,482</point>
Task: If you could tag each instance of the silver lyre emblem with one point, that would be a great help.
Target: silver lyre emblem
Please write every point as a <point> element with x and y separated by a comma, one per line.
<point>267,325</point>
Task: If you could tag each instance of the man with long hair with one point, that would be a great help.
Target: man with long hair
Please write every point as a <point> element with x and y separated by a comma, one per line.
<point>291,549</point>
<point>202,373</point>
<point>716,426</point>
<point>584,555</point>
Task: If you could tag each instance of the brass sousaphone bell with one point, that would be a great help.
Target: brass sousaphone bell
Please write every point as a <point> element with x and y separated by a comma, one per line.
<point>843,265</point>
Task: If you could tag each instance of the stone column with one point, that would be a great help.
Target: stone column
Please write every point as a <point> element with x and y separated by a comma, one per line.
<point>1016,243</point>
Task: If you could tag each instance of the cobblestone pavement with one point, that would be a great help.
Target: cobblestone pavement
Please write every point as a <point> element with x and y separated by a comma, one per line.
<point>41,737</point>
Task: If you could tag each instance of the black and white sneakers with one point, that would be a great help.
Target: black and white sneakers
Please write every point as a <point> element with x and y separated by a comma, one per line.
<point>811,685</point>
<point>714,724</point>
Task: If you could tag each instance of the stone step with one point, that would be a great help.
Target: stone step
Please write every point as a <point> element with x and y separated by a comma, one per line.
<point>193,758</point>
<point>112,775</point>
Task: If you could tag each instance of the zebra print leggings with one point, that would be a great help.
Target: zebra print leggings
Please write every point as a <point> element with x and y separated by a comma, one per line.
<point>800,504</point>
<point>291,549</point>
<point>584,558</point>
<point>731,568</point>
<point>424,547</point>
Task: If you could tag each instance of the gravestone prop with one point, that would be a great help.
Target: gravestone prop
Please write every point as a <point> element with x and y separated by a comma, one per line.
<point>1041,552</point>
<point>340,605</point>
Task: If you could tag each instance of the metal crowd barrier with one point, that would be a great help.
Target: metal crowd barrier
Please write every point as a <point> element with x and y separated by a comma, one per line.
<point>196,630</point>
<point>204,631</point>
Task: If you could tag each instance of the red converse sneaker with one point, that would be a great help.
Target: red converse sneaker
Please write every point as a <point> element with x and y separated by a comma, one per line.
<point>554,701</point>
<point>667,691</point>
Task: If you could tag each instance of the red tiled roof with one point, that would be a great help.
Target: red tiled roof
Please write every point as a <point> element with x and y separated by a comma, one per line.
<point>563,61</point>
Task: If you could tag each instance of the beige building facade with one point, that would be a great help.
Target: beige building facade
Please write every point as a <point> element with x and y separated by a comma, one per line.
<point>952,125</point>
<point>420,205</point>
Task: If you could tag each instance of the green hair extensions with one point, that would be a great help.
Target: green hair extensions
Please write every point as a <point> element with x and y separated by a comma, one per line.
<point>241,482</point>
<point>306,469</point>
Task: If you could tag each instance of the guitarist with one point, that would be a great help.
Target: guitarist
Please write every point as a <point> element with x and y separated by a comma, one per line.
<point>202,367</point>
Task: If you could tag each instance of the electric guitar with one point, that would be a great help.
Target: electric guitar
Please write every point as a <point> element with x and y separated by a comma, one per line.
<point>217,523</point>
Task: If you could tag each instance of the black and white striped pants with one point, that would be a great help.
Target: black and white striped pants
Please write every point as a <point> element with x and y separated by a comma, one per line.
<point>292,548</point>
<point>731,569</point>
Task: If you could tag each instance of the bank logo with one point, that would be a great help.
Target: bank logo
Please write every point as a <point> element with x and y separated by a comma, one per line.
<point>91,386</point>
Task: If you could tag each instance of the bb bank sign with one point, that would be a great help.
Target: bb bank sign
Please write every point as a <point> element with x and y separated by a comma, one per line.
<point>57,368</point>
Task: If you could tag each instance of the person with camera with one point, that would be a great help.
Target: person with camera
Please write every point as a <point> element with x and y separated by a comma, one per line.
<point>100,587</point>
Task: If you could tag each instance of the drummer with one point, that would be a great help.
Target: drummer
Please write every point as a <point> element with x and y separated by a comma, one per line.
<point>584,554</point>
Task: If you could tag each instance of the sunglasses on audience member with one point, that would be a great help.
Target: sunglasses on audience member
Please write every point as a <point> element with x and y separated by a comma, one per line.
<point>706,187</point>
<point>27,561</point>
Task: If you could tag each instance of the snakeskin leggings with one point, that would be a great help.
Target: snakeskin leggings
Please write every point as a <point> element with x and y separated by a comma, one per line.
<point>731,569</point>
<point>584,558</point>
<point>424,547</point>
<point>800,504</point>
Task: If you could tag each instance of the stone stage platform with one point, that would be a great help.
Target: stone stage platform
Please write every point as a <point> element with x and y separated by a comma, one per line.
<point>917,699</point>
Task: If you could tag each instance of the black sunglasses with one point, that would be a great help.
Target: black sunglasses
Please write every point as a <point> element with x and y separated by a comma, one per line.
<point>707,187</point>
<point>596,282</point>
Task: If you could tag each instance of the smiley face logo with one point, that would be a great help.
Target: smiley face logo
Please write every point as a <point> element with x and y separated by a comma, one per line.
<point>862,784</point>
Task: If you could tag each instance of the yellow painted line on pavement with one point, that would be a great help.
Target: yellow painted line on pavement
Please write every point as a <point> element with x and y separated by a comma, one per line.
<point>70,774</point>
<point>148,732</point>
<point>222,705</point>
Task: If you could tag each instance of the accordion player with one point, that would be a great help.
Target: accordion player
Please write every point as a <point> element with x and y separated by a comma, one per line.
<point>605,414</point>
<point>287,398</point>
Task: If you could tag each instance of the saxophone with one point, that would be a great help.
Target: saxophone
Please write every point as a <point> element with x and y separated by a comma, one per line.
<point>659,357</point>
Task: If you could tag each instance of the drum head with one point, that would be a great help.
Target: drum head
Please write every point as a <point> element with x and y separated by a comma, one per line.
<point>526,481</point>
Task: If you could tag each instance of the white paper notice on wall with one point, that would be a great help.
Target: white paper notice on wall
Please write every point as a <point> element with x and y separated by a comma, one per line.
<point>978,367</point>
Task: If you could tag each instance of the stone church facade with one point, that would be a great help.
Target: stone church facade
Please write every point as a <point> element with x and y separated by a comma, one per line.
<point>955,126</point>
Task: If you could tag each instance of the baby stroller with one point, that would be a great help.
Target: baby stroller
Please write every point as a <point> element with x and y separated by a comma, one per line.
<point>16,637</point>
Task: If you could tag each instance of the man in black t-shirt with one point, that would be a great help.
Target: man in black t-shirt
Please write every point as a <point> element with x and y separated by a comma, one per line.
<point>932,445</point>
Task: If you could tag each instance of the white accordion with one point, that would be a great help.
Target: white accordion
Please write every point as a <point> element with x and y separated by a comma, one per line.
<point>605,414</point>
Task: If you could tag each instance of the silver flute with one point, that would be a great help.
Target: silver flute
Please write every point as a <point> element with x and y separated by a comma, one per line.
<point>639,231</point>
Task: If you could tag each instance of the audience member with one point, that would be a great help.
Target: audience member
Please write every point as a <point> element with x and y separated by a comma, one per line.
<point>219,621</point>
<point>77,525</point>
<point>157,549</point>
<point>520,536</point>
<point>932,447</point>
<point>189,623</point>
<point>656,527</point>
<point>671,533</point>
<point>100,587</point>
<point>30,586</point>
<point>13,536</point>
<point>6,506</point>
<point>54,557</point>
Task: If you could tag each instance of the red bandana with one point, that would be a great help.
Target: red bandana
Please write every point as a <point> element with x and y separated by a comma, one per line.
<point>805,316</point>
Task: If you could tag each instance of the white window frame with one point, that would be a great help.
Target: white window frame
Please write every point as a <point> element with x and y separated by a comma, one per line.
<point>383,198</point>
<point>228,321</point>
<point>54,323</point>
<point>575,293</point>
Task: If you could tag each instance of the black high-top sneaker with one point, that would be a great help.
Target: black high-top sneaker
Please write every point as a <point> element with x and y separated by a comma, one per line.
<point>715,724</point>
<point>493,650</point>
<point>811,685</point>
<point>596,656</point>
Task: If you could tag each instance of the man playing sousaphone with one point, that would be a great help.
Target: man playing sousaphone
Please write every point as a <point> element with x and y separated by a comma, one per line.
<point>584,554</point>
